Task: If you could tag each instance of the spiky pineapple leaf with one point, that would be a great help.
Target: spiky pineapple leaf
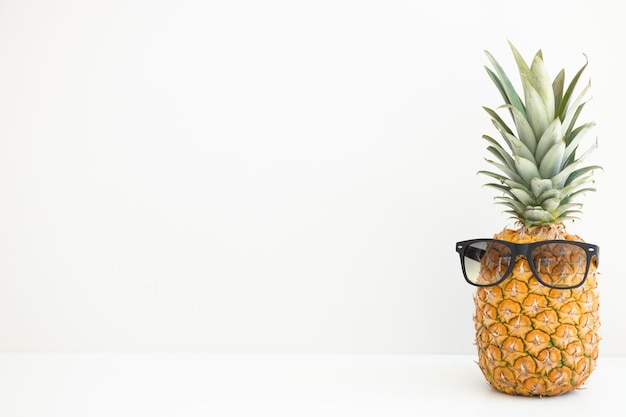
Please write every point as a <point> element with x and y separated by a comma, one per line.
<point>536,110</point>
<point>505,85</point>
<point>515,184</point>
<point>496,149</point>
<point>522,196</point>
<point>527,169</point>
<point>567,208</point>
<point>538,215</point>
<point>499,85</point>
<point>500,187</point>
<point>579,192</point>
<point>578,104</point>
<point>574,139</point>
<point>553,160</point>
<point>557,86</point>
<point>551,136</point>
<point>538,186</point>
<point>524,130</point>
<point>522,66</point>
<point>548,194</point>
<point>497,119</point>
<point>568,173</point>
<point>551,204</point>
<point>574,118</point>
<point>508,172</point>
<point>519,148</point>
<point>542,84</point>
<point>570,90</point>
<point>575,174</point>
<point>513,204</point>
<point>499,177</point>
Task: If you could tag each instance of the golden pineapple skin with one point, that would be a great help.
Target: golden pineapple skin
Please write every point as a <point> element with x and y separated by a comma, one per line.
<point>533,340</point>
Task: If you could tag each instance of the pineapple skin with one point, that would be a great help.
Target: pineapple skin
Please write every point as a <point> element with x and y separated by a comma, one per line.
<point>533,340</point>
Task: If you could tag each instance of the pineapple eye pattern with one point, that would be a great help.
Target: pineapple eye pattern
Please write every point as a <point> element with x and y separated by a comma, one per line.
<point>560,265</point>
<point>495,264</point>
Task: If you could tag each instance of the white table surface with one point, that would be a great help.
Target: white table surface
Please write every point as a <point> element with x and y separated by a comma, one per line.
<point>111,385</point>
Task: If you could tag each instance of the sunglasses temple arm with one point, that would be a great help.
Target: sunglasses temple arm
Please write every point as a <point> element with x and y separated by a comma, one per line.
<point>474,253</point>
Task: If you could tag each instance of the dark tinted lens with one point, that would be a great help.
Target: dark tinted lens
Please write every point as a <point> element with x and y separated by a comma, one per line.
<point>560,265</point>
<point>486,262</point>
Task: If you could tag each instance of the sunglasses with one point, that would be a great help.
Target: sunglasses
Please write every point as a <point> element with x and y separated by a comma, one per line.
<point>559,264</point>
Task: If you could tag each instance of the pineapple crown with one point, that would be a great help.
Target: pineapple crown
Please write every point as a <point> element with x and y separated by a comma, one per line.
<point>540,174</point>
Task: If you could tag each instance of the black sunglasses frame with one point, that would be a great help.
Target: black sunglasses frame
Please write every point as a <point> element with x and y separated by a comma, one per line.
<point>525,249</point>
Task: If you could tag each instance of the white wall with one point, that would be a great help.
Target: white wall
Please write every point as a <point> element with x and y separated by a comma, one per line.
<point>271,176</point>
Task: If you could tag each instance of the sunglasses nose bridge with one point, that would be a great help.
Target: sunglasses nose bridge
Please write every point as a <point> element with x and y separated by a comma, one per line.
<point>522,250</point>
<point>520,253</point>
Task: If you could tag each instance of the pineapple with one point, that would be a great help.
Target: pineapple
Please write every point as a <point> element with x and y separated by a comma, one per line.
<point>532,339</point>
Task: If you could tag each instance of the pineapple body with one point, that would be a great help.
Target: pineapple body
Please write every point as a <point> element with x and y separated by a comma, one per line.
<point>533,340</point>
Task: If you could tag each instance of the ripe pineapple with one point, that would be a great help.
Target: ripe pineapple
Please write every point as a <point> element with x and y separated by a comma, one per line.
<point>533,339</point>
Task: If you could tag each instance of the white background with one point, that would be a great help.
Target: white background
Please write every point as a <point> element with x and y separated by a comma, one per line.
<point>272,176</point>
